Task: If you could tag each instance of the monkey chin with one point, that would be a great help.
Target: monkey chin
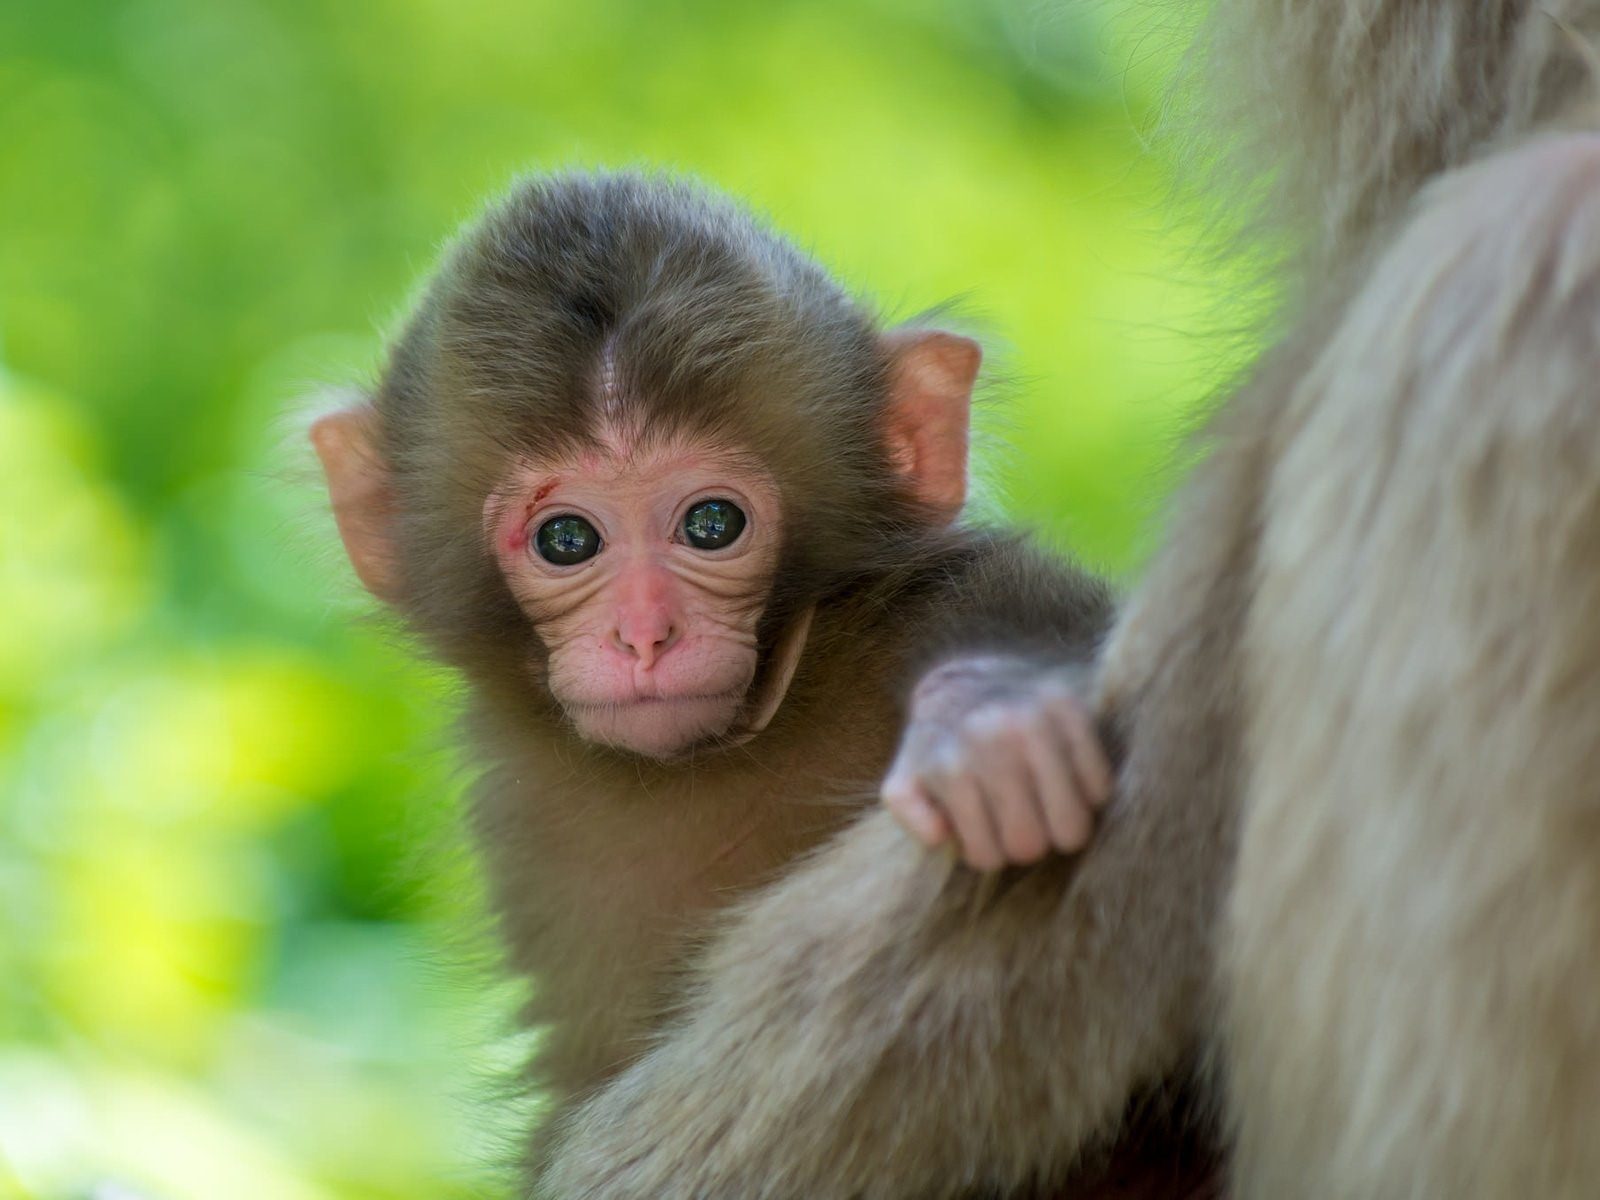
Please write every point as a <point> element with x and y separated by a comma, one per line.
<point>656,726</point>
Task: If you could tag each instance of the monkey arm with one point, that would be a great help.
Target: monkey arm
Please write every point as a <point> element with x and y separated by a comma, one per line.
<point>998,750</point>
<point>876,1024</point>
<point>1018,610</point>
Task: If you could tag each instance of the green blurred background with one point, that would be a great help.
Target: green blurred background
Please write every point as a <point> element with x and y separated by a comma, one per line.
<point>240,954</point>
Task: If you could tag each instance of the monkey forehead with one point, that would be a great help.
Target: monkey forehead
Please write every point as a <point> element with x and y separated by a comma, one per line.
<point>629,458</point>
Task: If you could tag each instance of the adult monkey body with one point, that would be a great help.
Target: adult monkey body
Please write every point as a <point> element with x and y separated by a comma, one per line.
<point>1427,1026</point>
<point>680,512</point>
<point>1359,692</point>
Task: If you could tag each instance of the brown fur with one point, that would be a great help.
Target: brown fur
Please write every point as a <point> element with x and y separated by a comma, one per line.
<point>1359,694</point>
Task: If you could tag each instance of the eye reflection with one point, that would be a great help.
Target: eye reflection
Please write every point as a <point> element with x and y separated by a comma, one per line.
<point>713,524</point>
<point>566,540</point>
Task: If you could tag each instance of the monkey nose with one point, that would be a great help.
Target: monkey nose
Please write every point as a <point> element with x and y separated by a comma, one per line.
<point>646,640</point>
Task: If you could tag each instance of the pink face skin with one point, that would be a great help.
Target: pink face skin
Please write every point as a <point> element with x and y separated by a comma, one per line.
<point>652,641</point>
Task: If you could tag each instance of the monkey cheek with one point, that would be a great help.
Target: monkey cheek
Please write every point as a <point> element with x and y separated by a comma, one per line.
<point>657,728</point>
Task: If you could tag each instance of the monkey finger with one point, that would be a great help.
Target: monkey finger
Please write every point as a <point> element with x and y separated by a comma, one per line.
<point>1014,804</point>
<point>1068,814</point>
<point>917,814</point>
<point>964,805</point>
<point>1088,757</point>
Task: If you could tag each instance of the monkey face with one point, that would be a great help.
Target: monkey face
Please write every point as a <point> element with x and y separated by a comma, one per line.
<point>644,569</point>
<point>619,379</point>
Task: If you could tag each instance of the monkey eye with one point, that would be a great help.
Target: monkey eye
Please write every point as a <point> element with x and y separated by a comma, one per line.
<point>566,540</point>
<point>713,524</point>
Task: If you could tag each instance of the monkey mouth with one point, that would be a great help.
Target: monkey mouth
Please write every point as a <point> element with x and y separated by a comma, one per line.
<point>657,726</point>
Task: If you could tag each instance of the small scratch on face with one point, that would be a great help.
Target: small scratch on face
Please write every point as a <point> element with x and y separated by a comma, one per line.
<point>515,537</point>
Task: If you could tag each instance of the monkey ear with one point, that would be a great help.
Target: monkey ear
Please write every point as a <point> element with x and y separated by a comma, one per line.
<point>363,502</point>
<point>930,408</point>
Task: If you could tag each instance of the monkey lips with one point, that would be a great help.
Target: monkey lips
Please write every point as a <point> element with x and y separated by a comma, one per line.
<point>657,726</point>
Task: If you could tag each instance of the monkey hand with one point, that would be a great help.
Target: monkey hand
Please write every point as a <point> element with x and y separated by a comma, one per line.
<point>1001,756</point>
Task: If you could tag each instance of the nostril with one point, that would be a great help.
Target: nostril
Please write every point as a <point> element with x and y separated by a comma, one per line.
<point>655,649</point>
<point>644,645</point>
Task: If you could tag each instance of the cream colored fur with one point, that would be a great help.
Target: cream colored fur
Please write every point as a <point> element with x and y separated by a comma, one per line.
<point>1341,109</point>
<point>1414,940</point>
<point>1411,942</point>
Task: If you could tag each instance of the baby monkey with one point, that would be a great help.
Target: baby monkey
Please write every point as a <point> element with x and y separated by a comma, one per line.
<point>684,517</point>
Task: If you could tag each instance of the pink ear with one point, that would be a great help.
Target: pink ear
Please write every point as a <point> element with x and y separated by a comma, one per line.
<point>930,408</point>
<point>363,503</point>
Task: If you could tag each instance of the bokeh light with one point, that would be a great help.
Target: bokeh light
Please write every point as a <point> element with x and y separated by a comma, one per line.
<point>241,952</point>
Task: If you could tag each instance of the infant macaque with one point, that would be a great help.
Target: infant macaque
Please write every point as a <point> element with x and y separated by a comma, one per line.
<point>683,514</point>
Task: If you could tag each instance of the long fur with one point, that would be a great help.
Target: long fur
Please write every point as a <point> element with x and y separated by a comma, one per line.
<point>1410,971</point>
<point>1326,118</point>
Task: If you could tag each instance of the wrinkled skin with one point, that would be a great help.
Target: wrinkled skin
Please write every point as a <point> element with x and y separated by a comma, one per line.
<point>651,642</point>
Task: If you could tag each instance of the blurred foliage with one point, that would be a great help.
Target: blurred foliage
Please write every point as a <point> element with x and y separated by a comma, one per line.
<point>237,934</point>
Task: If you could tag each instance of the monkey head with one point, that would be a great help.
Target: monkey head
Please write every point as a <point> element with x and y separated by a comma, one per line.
<point>627,445</point>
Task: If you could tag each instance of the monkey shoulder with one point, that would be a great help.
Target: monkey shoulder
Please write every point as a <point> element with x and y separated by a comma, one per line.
<point>984,589</point>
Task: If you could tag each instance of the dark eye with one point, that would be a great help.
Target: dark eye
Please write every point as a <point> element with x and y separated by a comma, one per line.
<point>566,540</point>
<point>713,524</point>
